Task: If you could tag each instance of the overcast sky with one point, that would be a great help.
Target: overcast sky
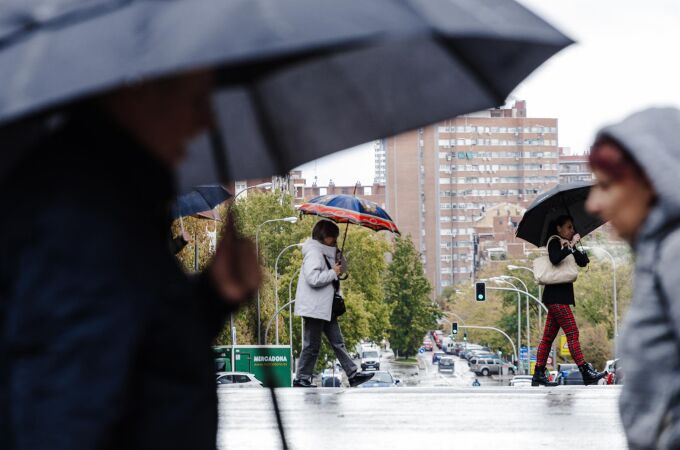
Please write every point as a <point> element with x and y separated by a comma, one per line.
<point>625,59</point>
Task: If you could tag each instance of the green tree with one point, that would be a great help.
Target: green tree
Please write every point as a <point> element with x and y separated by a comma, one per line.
<point>407,290</point>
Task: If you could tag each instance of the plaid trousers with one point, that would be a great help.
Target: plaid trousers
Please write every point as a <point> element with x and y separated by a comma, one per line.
<point>559,316</point>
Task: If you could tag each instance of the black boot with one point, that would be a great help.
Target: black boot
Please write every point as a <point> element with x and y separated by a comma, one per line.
<point>540,378</point>
<point>590,375</point>
<point>303,383</point>
<point>360,377</point>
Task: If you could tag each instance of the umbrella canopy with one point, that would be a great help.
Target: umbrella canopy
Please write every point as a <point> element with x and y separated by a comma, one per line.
<point>349,209</point>
<point>298,79</point>
<point>202,198</point>
<point>564,199</point>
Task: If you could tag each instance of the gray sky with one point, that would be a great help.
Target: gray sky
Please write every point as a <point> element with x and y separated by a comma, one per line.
<point>625,59</point>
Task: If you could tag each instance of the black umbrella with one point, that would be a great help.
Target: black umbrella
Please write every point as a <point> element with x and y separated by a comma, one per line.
<point>301,78</point>
<point>564,199</point>
<point>200,199</point>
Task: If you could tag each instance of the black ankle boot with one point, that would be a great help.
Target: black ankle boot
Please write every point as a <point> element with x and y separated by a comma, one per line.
<point>303,383</point>
<point>590,375</point>
<point>540,378</point>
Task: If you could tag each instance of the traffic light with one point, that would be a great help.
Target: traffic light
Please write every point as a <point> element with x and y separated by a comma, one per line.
<point>454,328</point>
<point>480,291</point>
<point>465,335</point>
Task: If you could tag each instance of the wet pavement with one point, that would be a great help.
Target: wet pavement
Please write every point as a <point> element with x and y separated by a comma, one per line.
<point>429,410</point>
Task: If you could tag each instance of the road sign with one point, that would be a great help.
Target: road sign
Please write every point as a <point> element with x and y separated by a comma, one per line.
<point>523,353</point>
<point>564,346</point>
<point>422,350</point>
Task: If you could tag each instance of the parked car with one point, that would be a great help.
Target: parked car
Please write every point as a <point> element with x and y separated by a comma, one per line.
<point>574,377</point>
<point>237,380</point>
<point>436,356</point>
<point>521,381</point>
<point>370,359</point>
<point>488,366</point>
<point>446,364</point>
<point>381,379</point>
<point>330,378</point>
<point>616,374</point>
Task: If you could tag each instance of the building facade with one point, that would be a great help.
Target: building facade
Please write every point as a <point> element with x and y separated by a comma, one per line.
<point>573,167</point>
<point>441,180</point>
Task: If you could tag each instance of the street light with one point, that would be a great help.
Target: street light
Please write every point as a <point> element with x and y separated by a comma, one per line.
<point>276,285</point>
<point>616,308</point>
<point>291,219</point>
<point>267,185</point>
<point>519,312</point>
<point>510,277</point>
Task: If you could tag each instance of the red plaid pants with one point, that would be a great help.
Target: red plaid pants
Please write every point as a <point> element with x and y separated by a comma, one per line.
<point>559,316</point>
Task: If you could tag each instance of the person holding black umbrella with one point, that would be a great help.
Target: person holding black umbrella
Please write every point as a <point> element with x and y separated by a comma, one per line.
<point>559,297</point>
<point>105,341</point>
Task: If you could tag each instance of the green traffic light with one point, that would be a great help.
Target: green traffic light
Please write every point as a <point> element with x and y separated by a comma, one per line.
<point>480,296</point>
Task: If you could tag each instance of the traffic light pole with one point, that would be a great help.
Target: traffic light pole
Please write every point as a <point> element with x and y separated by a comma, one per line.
<point>531,296</point>
<point>514,349</point>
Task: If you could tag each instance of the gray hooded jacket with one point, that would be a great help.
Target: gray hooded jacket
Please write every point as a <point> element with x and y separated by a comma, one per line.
<point>314,295</point>
<point>650,342</point>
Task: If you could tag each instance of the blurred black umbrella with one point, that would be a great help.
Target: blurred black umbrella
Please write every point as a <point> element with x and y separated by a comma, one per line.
<point>564,199</point>
<point>200,199</point>
<point>301,78</point>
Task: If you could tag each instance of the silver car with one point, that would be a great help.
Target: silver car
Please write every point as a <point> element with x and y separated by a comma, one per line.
<point>488,366</point>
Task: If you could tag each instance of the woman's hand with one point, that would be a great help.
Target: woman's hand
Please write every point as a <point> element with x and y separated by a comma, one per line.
<point>575,239</point>
<point>337,268</point>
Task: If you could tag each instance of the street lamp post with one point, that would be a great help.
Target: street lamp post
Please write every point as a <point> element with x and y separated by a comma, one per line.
<point>276,284</point>
<point>519,313</point>
<point>291,219</point>
<point>495,329</point>
<point>540,299</point>
<point>232,324</point>
<point>509,277</point>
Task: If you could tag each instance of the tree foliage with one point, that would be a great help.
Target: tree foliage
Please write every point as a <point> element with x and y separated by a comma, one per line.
<point>407,290</point>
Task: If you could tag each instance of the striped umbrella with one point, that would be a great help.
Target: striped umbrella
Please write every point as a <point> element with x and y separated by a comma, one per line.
<point>348,209</point>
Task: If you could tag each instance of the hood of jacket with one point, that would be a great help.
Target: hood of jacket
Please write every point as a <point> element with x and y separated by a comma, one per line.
<point>312,245</point>
<point>652,137</point>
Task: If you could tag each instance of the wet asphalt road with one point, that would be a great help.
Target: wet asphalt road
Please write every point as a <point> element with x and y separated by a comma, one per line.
<point>439,412</point>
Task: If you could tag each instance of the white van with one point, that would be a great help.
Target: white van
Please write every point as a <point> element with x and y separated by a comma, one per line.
<point>370,359</point>
<point>447,345</point>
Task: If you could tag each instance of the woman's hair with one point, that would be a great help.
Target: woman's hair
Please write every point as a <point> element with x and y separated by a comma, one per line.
<point>324,229</point>
<point>560,221</point>
<point>610,157</point>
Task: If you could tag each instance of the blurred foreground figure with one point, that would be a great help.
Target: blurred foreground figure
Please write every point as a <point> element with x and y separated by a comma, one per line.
<point>106,342</point>
<point>637,166</point>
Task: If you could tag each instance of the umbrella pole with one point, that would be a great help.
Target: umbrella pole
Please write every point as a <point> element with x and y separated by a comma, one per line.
<point>220,155</point>
<point>344,238</point>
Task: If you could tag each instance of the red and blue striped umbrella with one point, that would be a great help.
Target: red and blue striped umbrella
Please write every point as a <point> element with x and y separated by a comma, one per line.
<point>349,209</point>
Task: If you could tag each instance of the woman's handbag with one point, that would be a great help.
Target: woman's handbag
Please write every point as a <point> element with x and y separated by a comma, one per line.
<point>546,272</point>
<point>339,307</point>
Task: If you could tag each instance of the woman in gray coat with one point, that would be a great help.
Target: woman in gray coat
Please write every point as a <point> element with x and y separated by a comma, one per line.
<point>321,266</point>
<point>636,164</point>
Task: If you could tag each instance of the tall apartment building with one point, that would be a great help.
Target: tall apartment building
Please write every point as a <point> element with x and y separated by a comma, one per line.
<point>574,167</point>
<point>441,179</point>
<point>380,163</point>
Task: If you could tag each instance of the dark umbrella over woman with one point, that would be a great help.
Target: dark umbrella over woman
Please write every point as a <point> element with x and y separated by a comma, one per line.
<point>558,219</point>
<point>98,104</point>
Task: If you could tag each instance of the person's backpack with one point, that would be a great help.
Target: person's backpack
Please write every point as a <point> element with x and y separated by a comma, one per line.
<point>545,272</point>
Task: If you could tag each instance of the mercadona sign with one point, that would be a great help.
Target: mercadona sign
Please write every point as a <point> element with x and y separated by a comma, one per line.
<point>271,364</point>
